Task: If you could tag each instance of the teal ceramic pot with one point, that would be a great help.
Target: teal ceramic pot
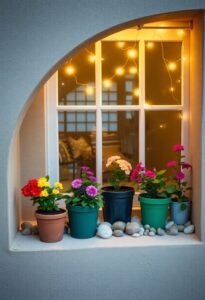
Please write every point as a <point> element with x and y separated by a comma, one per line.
<point>117,204</point>
<point>82,221</point>
<point>154,211</point>
<point>180,212</point>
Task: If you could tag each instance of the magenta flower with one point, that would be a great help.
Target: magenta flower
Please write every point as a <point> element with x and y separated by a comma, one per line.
<point>172,163</point>
<point>150,174</point>
<point>186,165</point>
<point>84,168</point>
<point>178,148</point>
<point>90,173</point>
<point>136,171</point>
<point>76,183</point>
<point>91,191</point>
<point>92,178</point>
<point>180,175</point>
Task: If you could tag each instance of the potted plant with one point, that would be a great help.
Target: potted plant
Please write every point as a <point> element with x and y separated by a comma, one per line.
<point>118,198</point>
<point>154,199</point>
<point>83,201</point>
<point>50,217</point>
<point>179,187</point>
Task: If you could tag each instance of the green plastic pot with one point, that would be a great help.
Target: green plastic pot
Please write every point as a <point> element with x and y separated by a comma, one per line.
<point>82,221</point>
<point>154,211</point>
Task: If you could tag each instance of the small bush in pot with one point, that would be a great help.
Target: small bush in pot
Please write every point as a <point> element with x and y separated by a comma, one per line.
<point>50,217</point>
<point>83,201</point>
<point>118,197</point>
<point>178,186</point>
<point>154,199</point>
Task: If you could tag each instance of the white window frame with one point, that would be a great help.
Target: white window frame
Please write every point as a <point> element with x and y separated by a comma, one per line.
<point>51,92</point>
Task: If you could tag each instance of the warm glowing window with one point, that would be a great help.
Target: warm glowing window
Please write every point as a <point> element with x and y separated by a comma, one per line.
<point>124,95</point>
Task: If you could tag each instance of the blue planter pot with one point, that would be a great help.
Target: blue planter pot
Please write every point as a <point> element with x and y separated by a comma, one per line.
<point>117,204</point>
<point>180,216</point>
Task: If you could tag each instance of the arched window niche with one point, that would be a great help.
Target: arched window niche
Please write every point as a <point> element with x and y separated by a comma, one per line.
<point>106,93</point>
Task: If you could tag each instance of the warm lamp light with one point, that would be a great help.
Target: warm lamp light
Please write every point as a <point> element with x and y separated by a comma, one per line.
<point>132,53</point>
<point>107,83</point>
<point>120,71</point>
<point>70,70</point>
<point>89,90</point>
<point>120,44</point>
<point>91,58</point>
<point>181,32</point>
<point>172,66</point>
<point>136,92</point>
<point>150,45</point>
<point>172,89</point>
<point>133,70</point>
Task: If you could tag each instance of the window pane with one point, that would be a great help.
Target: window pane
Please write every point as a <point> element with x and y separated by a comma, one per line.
<point>119,72</point>
<point>163,130</point>
<point>121,139</point>
<point>76,79</point>
<point>75,145</point>
<point>163,73</point>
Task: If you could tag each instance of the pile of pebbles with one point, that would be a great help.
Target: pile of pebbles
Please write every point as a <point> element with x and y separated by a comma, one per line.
<point>28,228</point>
<point>135,229</point>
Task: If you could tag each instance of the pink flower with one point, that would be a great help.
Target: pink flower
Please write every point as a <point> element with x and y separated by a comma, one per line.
<point>136,171</point>
<point>92,178</point>
<point>84,168</point>
<point>172,163</point>
<point>91,191</point>
<point>180,175</point>
<point>178,148</point>
<point>76,183</point>
<point>150,174</point>
<point>186,165</point>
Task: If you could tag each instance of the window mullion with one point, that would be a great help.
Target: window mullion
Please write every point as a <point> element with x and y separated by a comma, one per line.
<point>98,94</point>
<point>142,101</point>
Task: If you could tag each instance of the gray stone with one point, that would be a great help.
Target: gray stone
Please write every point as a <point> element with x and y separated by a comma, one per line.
<point>153,229</point>
<point>146,232</point>
<point>135,235</point>
<point>147,226</point>
<point>141,232</point>
<point>26,225</point>
<point>105,223</point>
<point>118,233</point>
<point>119,225</point>
<point>160,231</point>
<point>132,227</point>
<point>26,231</point>
<point>151,233</point>
<point>173,230</point>
<point>104,231</point>
<point>189,229</point>
<point>169,225</point>
<point>180,228</point>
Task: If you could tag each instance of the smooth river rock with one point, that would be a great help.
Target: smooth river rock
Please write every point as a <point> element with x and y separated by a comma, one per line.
<point>173,230</point>
<point>104,231</point>
<point>160,231</point>
<point>189,229</point>
<point>119,225</point>
<point>132,228</point>
<point>118,233</point>
<point>169,225</point>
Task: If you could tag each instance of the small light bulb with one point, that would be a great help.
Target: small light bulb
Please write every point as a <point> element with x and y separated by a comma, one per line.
<point>91,58</point>
<point>120,44</point>
<point>132,53</point>
<point>70,70</point>
<point>107,83</point>
<point>172,66</point>
<point>136,92</point>
<point>89,90</point>
<point>171,89</point>
<point>133,70</point>
<point>150,45</point>
<point>62,83</point>
<point>120,71</point>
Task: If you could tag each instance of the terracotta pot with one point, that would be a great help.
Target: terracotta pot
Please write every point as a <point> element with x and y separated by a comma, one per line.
<point>51,225</point>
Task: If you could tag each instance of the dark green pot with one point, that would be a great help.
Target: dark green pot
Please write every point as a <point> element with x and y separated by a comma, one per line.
<point>154,211</point>
<point>82,221</point>
<point>117,204</point>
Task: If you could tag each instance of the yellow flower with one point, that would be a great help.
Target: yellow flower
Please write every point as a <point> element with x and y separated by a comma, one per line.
<point>58,185</point>
<point>42,182</point>
<point>44,193</point>
<point>55,191</point>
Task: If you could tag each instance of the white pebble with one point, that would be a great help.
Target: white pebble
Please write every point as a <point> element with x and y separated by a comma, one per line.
<point>151,233</point>
<point>189,229</point>
<point>187,224</point>
<point>173,230</point>
<point>153,229</point>
<point>180,228</point>
<point>104,231</point>
<point>147,226</point>
<point>169,225</point>
<point>136,235</point>
<point>160,231</point>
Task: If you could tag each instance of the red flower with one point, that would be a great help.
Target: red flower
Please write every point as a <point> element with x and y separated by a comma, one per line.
<point>172,163</point>
<point>178,148</point>
<point>26,191</point>
<point>35,191</point>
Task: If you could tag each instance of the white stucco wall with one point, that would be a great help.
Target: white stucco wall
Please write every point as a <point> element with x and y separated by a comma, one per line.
<point>36,35</point>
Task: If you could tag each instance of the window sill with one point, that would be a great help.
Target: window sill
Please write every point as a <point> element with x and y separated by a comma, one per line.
<point>33,244</point>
